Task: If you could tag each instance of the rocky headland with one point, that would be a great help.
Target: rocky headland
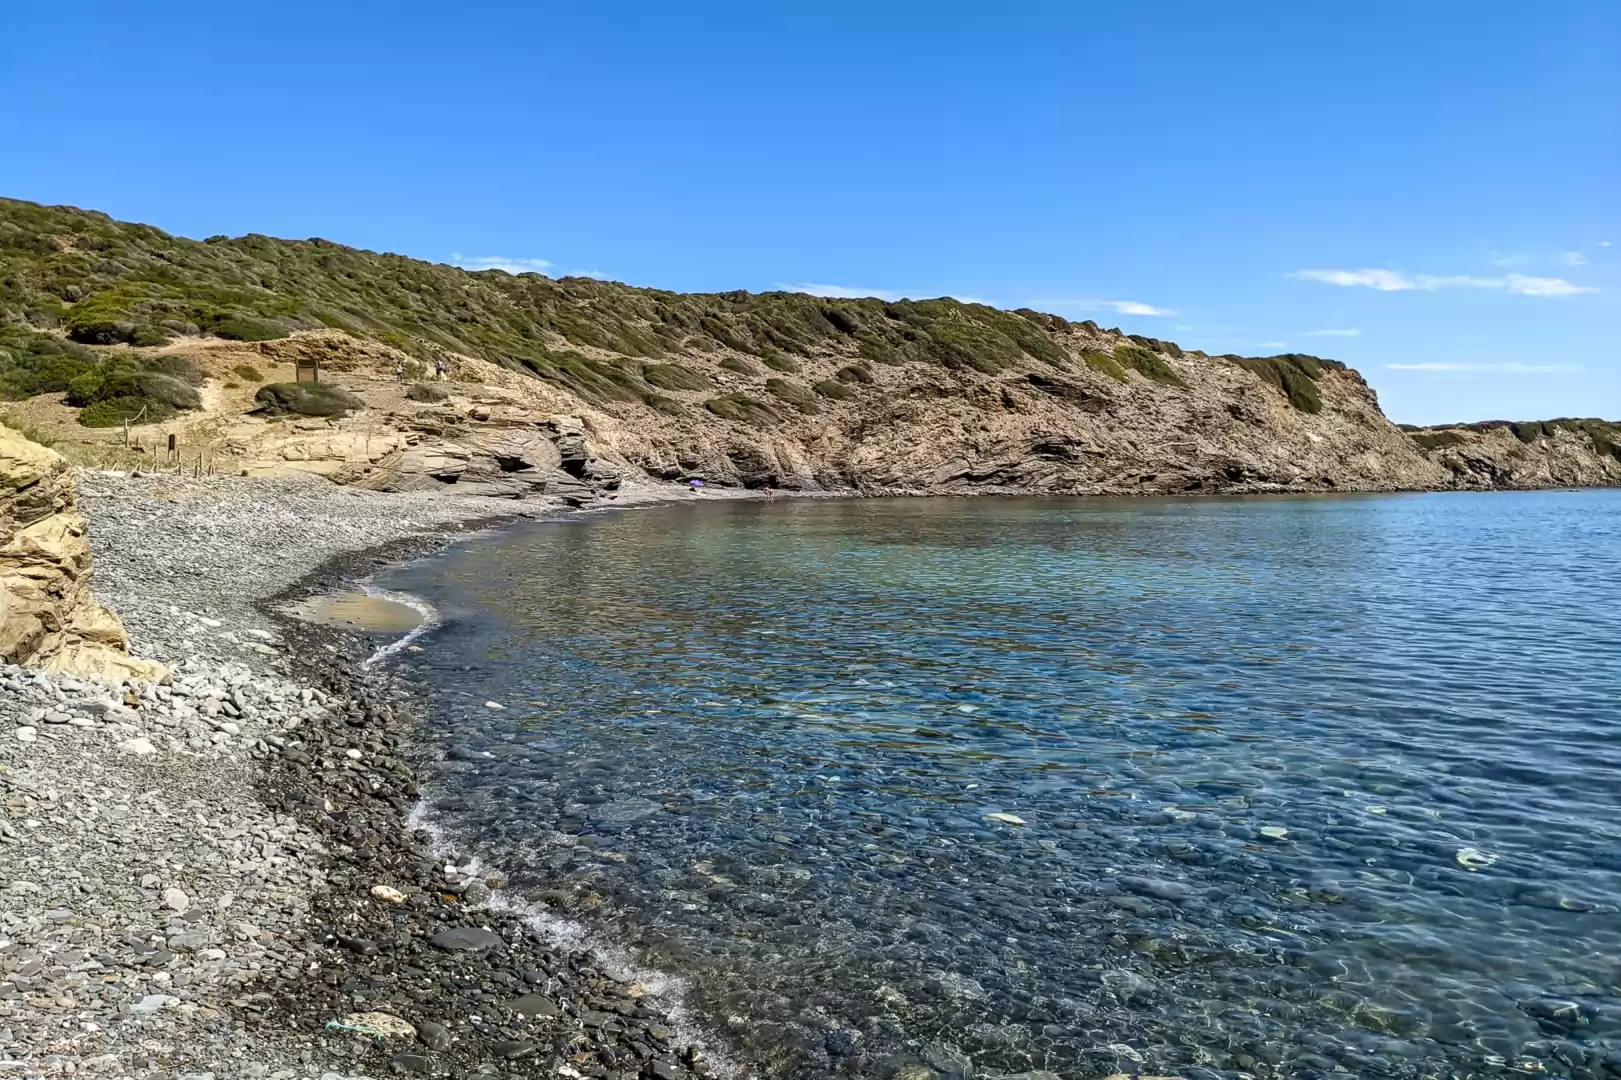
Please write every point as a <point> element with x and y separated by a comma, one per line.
<point>135,348</point>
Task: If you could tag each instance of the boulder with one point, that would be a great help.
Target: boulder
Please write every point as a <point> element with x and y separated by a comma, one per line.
<point>47,616</point>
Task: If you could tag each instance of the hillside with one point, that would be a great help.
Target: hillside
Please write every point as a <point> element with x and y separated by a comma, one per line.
<point>103,321</point>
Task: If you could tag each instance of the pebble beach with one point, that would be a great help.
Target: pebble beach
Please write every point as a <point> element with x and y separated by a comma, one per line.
<point>218,876</point>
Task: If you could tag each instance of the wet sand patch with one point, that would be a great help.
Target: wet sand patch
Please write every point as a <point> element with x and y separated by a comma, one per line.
<point>357,611</point>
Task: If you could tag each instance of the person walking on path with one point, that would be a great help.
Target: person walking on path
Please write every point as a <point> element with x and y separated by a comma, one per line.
<point>399,371</point>
<point>439,368</point>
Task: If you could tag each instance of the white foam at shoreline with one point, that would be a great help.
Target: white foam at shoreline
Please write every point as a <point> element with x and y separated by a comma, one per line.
<point>429,613</point>
<point>666,990</point>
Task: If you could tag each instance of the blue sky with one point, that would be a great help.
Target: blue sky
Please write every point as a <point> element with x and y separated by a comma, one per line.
<point>1429,191</point>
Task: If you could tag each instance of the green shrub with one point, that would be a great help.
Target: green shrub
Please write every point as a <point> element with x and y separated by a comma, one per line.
<point>744,410</point>
<point>676,377</point>
<point>305,399</point>
<point>879,351</point>
<point>113,412</point>
<point>96,327</point>
<point>248,373</point>
<point>84,389</point>
<point>1100,361</point>
<point>777,361</point>
<point>148,335</point>
<point>842,320</point>
<point>853,373</point>
<point>150,386</point>
<point>245,329</point>
<point>183,368</point>
<point>795,395</point>
<point>830,388</point>
<point>1294,374</point>
<point>666,405</point>
<point>1147,364</point>
<point>739,365</point>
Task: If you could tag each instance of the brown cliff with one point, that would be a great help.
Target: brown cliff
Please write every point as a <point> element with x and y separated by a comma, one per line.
<point>47,616</point>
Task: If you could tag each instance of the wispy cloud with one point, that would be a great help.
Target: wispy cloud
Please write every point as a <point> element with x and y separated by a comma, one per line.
<point>1333,333</point>
<point>600,275</point>
<point>1573,258</point>
<point>1507,369</point>
<point>1270,344</point>
<point>1086,303</point>
<point>1603,243</point>
<point>1396,281</point>
<point>500,262</point>
<point>1508,260</point>
<point>1136,307</point>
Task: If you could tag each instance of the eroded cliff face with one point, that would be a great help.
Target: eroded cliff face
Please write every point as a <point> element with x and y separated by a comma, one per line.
<point>47,616</point>
<point>1074,423</point>
<point>1532,454</point>
<point>1204,424</point>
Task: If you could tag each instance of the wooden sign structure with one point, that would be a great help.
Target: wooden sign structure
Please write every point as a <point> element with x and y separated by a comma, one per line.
<point>307,371</point>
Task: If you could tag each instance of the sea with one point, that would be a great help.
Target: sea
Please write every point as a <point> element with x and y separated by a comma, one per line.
<point>1219,787</point>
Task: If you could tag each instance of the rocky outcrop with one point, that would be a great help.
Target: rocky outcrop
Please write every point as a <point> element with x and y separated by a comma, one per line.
<point>1530,454</point>
<point>47,616</point>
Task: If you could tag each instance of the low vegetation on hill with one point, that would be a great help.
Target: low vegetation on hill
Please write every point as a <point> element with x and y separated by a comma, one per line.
<point>1605,435</point>
<point>73,278</point>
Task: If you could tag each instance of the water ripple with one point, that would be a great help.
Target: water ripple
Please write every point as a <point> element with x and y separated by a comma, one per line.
<point>1281,787</point>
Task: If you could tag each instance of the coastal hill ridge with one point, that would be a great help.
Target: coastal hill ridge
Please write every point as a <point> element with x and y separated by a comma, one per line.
<point>103,322</point>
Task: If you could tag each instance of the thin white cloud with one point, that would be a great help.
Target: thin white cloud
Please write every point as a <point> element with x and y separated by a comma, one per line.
<point>598,274</point>
<point>1603,243</point>
<point>1573,258</point>
<point>1270,344</point>
<point>1333,333</point>
<point>1396,281</point>
<point>1086,303</point>
<point>500,262</point>
<point>1136,307</point>
<point>1509,368</point>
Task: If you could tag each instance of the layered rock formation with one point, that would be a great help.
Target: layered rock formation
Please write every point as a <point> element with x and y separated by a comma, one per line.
<point>47,615</point>
<point>1532,454</point>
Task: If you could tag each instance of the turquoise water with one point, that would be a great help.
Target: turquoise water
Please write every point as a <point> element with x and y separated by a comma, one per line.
<point>1308,786</point>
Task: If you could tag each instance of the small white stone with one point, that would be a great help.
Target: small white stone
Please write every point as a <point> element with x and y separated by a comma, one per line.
<point>1273,832</point>
<point>387,894</point>
<point>352,754</point>
<point>141,746</point>
<point>175,899</point>
<point>494,705</point>
<point>1006,819</point>
<point>27,734</point>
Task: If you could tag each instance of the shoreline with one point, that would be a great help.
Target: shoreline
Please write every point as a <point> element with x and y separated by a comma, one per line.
<point>190,870</point>
<point>221,876</point>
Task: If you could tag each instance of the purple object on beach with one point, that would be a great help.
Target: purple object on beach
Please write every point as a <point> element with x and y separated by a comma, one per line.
<point>696,483</point>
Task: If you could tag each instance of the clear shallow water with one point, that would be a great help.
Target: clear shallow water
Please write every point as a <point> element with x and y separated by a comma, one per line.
<point>759,744</point>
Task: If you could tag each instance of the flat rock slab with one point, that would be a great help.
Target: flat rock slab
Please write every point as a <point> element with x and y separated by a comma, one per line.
<point>467,939</point>
<point>534,1005</point>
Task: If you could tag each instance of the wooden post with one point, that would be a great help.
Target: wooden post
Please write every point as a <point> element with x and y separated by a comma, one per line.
<point>174,451</point>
